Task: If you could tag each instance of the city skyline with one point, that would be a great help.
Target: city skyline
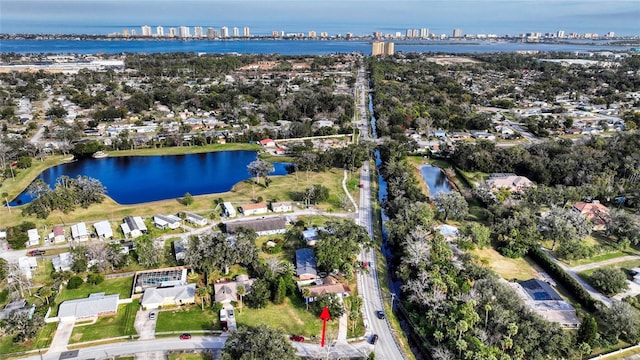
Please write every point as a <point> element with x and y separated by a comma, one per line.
<point>359,17</point>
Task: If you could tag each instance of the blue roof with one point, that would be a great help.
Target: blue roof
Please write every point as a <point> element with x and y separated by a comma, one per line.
<point>305,262</point>
<point>540,290</point>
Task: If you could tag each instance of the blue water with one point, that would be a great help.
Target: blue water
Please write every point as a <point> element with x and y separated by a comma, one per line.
<point>286,47</point>
<point>139,179</point>
<point>436,181</point>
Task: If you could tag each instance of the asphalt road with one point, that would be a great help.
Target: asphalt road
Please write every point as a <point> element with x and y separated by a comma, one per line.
<point>386,346</point>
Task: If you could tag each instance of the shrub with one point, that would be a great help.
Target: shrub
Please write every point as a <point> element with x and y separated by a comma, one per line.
<point>609,281</point>
<point>95,279</point>
<point>75,282</point>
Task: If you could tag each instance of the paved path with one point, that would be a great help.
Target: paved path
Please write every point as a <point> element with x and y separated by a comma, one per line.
<point>61,338</point>
<point>595,265</point>
<point>344,187</point>
<point>343,325</point>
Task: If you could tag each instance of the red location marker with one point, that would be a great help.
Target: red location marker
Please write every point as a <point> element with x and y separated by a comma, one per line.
<point>324,316</point>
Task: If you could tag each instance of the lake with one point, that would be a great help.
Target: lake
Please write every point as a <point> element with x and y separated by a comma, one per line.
<point>435,179</point>
<point>140,179</point>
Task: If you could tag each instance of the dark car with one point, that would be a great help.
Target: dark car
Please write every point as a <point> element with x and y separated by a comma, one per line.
<point>230,313</point>
<point>36,252</point>
<point>185,336</point>
<point>374,339</point>
<point>380,314</point>
<point>298,338</point>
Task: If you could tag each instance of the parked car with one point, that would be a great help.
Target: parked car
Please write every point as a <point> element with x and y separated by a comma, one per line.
<point>230,313</point>
<point>298,338</point>
<point>374,339</point>
<point>185,336</point>
<point>152,316</point>
<point>380,314</point>
<point>36,252</point>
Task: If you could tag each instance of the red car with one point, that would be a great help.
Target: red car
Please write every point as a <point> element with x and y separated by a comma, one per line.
<point>298,338</point>
<point>185,336</point>
<point>36,252</point>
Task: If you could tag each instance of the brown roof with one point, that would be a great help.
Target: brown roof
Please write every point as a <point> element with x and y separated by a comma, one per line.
<point>253,206</point>
<point>331,286</point>
<point>58,231</point>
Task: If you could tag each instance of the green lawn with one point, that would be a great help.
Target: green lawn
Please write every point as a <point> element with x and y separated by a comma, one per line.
<point>624,265</point>
<point>187,318</point>
<point>107,327</point>
<point>291,316</point>
<point>7,346</point>
<point>190,356</point>
<point>120,286</point>
<point>356,330</point>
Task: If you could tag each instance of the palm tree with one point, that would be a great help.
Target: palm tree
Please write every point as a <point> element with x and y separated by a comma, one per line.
<point>241,290</point>
<point>203,291</point>
<point>306,294</point>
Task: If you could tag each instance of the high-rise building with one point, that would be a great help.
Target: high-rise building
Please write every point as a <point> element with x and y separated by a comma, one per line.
<point>377,34</point>
<point>185,32</point>
<point>159,31</point>
<point>134,32</point>
<point>424,33</point>
<point>610,34</point>
<point>146,30</point>
<point>560,33</point>
<point>246,32</point>
<point>197,32</point>
<point>275,33</point>
<point>379,48</point>
<point>324,34</point>
<point>212,33</point>
<point>173,32</point>
<point>236,31</point>
<point>457,33</point>
<point>312,34</point>
<point>125,32</point>
<point>224,32</point>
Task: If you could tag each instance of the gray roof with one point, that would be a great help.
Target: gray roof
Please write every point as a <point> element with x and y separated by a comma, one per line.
<point>305,262</point>
<point>94,305</point>
<point>176,293</point>
<point>539,290</point>
<point>258,225</point>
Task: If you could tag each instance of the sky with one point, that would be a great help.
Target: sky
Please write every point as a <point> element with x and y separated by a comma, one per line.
<point>356,16</point>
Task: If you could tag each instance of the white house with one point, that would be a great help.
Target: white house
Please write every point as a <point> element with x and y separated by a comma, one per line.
<point>27,265</point>
<point>262,227</point>
<point>281,207</point>
<point>166,221</point>
<point>133,226</point>
<point>34,237</point>
<point>254,209</point>
<point>229,210</point>
<point>95,305</point>
<point>62,262</point>
<point>310,236</point>
<point>153,297</point>
<point>103,230</point>
<point>195,219</point>
<point>79,232</point>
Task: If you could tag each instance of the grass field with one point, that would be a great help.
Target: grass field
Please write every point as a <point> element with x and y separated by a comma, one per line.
<point>181,150</point>
<point>24,177</point>
<point>291,316</point>
<point>357,329</point>
<point>190,356</point>
<point>120,286</point>
<point>187,318</point>
<point>623,265</point>
<point>107,327</point>
<point>45,335</point>
<point>520,269</point>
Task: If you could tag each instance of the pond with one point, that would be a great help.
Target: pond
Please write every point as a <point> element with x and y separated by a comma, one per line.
<point>140,179</point>
<point>436,181</point>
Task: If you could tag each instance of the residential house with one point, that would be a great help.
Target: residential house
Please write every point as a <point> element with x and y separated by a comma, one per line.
<point>174,295</point>
<point>440,134</point>
<point>226,292</point>
<point>483,135</point>
<point>306,265</point>
<point>103,230</point>
<point>281,207</point>
<point>166,221</point>
<point>57,235</point>
<point>448,231</point>
<point>254,208</point>
<point>268,143</point>
<point>3,234</point>
<point>195,219</point>
<point>459,135</point>
<point>267,226</point>
<point>133,226</point>
<point>229,210</point>
<point>17,306</point>
<point>546,302</point>
<point>179,249</point>
<point>79,232</point>
<point>27,265</point>
<point>328,285</point>
<point>310,236</point>
<point>511,182</point>
<point>97,304</point>
<point>34,237</point>
<point>597,213</point>
<point>62,262</point>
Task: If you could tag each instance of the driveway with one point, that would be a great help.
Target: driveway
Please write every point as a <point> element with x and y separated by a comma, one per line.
<point>145,326</point>
<point>61,338</point>
<point>231,321</point>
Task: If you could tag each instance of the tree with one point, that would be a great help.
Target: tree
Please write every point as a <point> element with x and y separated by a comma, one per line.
<point>203,293</point>
<point>452,205</point>
<point>562,225</point>
<point>260,168</point>
<point>187,199</point>
<point>75,282</point>
<point>332,302</point>
<point>23,326</point>
<point>241,290</point>
<point>259,295</point>
<point>621,319</point>
<point>280,291</point>
<point>148,251</point>
<point>610,281</point>
<point>306,294</point>
<point>45,293</point>
<point>588,331</point>
<point>340,243</point>
<point>479,234</point>
<point>260,342</point>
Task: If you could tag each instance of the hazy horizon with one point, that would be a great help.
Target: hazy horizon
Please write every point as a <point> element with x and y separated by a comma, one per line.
<point>357,16</point>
